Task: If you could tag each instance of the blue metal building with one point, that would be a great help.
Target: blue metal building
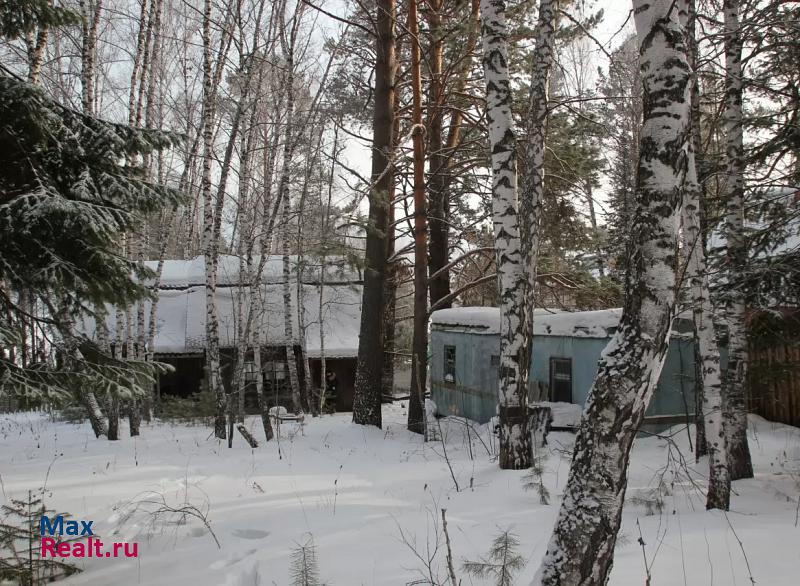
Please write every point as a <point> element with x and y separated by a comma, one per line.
<point>465,355</point>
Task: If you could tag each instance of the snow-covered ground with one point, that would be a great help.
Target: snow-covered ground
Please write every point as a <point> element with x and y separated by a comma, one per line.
<point>359,490</point>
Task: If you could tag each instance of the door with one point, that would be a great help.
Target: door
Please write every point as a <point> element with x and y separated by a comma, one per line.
<point>561,380</point>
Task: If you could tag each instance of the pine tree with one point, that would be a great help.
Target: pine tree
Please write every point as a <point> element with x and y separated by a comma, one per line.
<point>502,563</point>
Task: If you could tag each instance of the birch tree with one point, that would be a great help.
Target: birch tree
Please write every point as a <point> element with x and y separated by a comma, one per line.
<point>735,253</point>
<point>515,448</point>
<point>533,184</point>
<point>209,244</point>
<point>719,482</point>
<point>581,548</point>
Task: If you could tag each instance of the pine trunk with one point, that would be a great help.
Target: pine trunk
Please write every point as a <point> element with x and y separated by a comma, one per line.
<point>739,462</point>
<point>581,548</point>
<point>390,286</point>
<point>419,344</point>
<point>438,205</point>
<point>369,370</point>
<point>515,446</point>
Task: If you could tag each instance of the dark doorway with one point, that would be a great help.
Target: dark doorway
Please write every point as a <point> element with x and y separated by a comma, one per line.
<point>561,380</point>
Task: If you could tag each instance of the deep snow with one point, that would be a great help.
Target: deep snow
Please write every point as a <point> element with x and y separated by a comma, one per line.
<point>356,489</point>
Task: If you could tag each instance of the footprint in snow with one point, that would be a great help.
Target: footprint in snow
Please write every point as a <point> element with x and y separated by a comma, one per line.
<point>249,533</point>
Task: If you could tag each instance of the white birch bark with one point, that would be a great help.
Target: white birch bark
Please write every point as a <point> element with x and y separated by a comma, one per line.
<point>209,244</point>
<point>581,549</point>
<point>288,312</point>
<point>515,440</point>
<point>244,249</point>
<point>719,482</point>
<point>36,45</point>
<point>262,400</point>
<point>288,37</point>
<point>90,20</point>
<point>324,225</point>
<point>735,254</point>
<point>532,192</point>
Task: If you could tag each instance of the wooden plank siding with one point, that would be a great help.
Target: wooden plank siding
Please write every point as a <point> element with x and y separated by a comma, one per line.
<point>774,382</point>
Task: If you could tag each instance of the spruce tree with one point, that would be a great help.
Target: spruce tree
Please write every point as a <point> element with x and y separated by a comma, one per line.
<point>70,186</point>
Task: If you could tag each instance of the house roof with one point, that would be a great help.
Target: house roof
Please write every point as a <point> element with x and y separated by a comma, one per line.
<point>181,274</point>
<point>477,320</point>
<point>181,310</point>
<point>547,322</point>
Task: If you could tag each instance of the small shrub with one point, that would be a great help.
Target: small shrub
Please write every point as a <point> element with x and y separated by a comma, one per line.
<point>197,408</point>
<point>70,414</point>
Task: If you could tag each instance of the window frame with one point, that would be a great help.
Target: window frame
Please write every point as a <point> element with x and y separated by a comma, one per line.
<point>449,363</point>
<point>552,376</point>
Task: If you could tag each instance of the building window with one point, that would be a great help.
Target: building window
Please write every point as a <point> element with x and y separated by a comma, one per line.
<point>450,364</point>
<point>561,380</point>
<point>495,361</point>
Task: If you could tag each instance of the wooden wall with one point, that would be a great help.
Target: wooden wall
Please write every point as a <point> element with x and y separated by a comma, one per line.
<point>774,382</point>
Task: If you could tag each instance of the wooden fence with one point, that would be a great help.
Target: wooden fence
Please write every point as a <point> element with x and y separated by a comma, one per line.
<point>774,383</point>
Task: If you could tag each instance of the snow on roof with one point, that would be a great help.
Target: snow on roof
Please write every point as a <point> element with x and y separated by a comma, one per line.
<point>482,320</point>
<point>547,322</point>
<point>581,324</point>
<point>181,313</point>
<point>181,274</point>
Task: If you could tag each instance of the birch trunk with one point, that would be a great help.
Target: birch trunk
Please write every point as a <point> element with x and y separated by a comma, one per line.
<point>530,200</point>
<point>701,449</point>
<point>323,261</point>
<point>719,482</point>
<point>119,344</point>
<point>134,416</point>
<point>90,20</point>
<point>581,548</point>
<point>36,46</point>
<point>111,402</point>
<point>367,394</point>
<point>260,393</point>
<point>288,313</point>
<point>209,246</point>
<point>244,250</point>
<point>73,357</point>
<point>419,344</point>
<point>515,447</point>
<point>739,462</point>
<point>306,388</point>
